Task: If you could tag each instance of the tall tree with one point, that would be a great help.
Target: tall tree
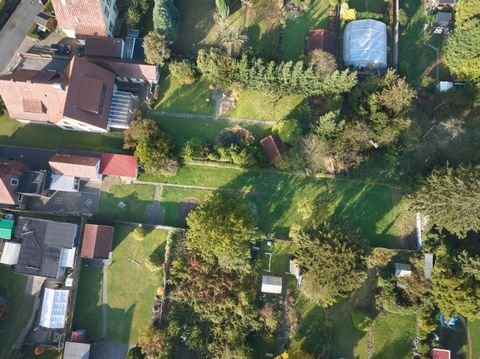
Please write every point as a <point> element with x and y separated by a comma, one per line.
<point>165,19</point>
<point>333,260</point>
<point>223,8</point>
<point>465,10</point>
<point>456,290</point>
<point>451,199</point>
<point>462,50</point>
<point>221,230</point>
<point>322,62</point>
<point>156,48</point>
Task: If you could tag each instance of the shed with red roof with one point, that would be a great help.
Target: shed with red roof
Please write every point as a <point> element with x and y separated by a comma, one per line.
<point>273,147</point>
<point>440,354</point>
<point>124,166</point>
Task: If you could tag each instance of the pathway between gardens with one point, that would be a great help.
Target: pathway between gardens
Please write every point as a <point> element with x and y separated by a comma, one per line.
<point>210,118</point>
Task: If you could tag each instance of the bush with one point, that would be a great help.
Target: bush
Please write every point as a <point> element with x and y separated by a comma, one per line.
<point>139,233</point>
<point>361,319</point>
<point>165,17</point>
<point>288,130</point>
<point>135,353</point>
<point>154,261</point>
<point>184,71</point>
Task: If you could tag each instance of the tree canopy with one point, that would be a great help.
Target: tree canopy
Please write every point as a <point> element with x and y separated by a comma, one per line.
<point>333,260</point>
<point>165,18</point>
<point>221,230</point>
<point>281,78</point>
<point>156,48</point>
<point>451,199</point>
<point>462,50</point>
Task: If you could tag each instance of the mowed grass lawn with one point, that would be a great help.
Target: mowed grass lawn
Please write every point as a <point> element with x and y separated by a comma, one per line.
<point>369,207</point>
<point>394,335</point>
<point>20,306</point>
<point>175,97</point>
<point>296,28</point>
<point>136,197</point>
<point>131,288</point>
<point>15,133</point>
<point>173,200</point>
<point>474,329</point>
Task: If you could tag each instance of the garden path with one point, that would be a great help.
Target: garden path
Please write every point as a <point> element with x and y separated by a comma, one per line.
<point>154,212</point>
<point>210,118</point>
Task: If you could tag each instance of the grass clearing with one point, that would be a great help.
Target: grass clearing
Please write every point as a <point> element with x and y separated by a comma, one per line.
<point>182,130</point>
<point>171,202</point>
<point>474,329</point>
<point>175,97</point>
<point>130,290</point>
<point>370,207</point>
<point>378,6</point>
<point>15,133</point>
<point>296,29</point>
<point>394,335</point>
<point>20,306</point>
<point>136,197</point>
<point>259,106</point>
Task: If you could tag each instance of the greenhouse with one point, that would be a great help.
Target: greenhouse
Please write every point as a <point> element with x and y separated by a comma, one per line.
<point>365,44</point>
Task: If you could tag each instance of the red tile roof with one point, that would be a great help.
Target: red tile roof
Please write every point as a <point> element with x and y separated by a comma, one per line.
<point>85,17</point>
<point>90,92</point>
<point>103,47</point>
<point>440,354</point>
<point>75,166</point>
<point>118,165</point>
<point>9,170</point>
<point>321,39</point>
<point>97,241</point>
<point>273,147</point>
<point>128,69</point>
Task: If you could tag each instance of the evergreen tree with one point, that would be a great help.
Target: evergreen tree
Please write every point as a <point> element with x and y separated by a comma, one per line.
<point>165,19</point>
<point>333,261</point>
<point>451,199</point>
<point>156,48</point>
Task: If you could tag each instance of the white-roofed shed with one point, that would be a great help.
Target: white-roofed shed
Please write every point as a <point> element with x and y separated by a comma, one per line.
<point>10,253</point>
<point>54,308</point>
<point>65,183</point>
<point>403,270</point>
<point>271,284</point>
<point>76,350</point>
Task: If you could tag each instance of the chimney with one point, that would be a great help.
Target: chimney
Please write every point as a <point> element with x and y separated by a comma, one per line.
<point>57,86</point>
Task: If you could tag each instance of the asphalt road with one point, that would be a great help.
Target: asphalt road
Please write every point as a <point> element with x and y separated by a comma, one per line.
<point>15,30</point>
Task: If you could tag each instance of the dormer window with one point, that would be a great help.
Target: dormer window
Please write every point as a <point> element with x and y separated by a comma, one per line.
<point>14,182</point>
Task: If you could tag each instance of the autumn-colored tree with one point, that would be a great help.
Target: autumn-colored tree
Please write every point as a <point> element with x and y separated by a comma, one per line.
<point>156,48</point>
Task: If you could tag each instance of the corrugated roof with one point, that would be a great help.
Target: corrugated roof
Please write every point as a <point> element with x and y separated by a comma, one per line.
<point>321,39</point>
<point>97,241</point>
<point>113,164</point>
<point>76,350</point>
<point>54,308</point>
<point>10,253</point>
<point>6,228</point>
<point>271,284</point>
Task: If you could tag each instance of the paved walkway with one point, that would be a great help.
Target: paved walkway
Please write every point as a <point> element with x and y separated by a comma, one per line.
<point>211,118</point>
<point>154,212</point>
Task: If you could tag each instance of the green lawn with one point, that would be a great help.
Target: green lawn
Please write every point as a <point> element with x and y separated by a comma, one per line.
<point>130,290</point>
<point>377,6</point>
<point>12,286</point>
<point>394,335</point>
<point>474,329</point>
<point>182,130</point>
<point>136,197</point>
<point>415,58</point>
<point>369,207</point>
<point>296,28</point>
<point>171,203</point>
<point>258,106</point>
<point>14,133</point>
<point>263,28</point>
<point>175,97</point>
<point>280,256</point>
<point>88,311</point>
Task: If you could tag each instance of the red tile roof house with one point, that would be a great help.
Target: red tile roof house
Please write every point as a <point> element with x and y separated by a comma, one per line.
<point>440,354</point>
<point>10,173</point>
<point>83,167</point>
<point>79,18</point>
<point>97,241</point>
<point>273,147</point>
<point>81,95</point>
<point>123,166</point>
